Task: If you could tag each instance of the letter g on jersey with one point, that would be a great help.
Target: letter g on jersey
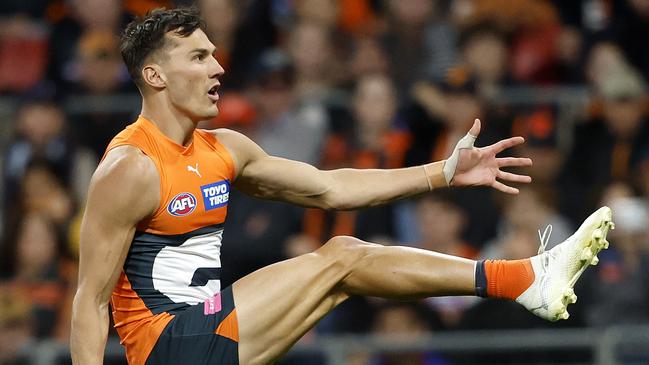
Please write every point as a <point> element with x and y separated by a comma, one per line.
<point>182,204</point>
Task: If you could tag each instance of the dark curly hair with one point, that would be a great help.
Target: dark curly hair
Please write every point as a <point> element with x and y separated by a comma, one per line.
<point>146,35</point>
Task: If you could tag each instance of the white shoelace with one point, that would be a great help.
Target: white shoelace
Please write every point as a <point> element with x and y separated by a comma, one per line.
<point>545,238</point>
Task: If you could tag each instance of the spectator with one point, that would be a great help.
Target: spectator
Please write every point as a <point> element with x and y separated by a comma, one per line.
<point>419,42</point>
<point>440,116</point>
<point>39,130</point>
<point>441,112</point>
<point>285,127</point>
<point>100,73</point>
<point>441,224</point>
<point>223,20</point>
<point>258,31</point>
<point>362,83</point>
<point>522,219</point>
<point>75,18</point>
<point>620,133</point>
<point>533,28</point>
<point>539,127</point>
<point>374,139</point>
<point>406,322</point>
<point>316,65</point>
<point>99,65</point>
<point>42,134</point>
<point>367,58</point>
<point>37,272</point>
<point>485,53</point>
<point>43,192</point>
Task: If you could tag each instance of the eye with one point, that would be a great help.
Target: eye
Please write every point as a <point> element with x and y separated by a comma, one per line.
<point>199,57</point>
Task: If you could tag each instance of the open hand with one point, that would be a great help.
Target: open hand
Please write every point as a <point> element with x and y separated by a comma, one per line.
<point>480,166</point>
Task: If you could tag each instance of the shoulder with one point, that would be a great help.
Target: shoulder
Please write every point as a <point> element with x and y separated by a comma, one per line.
<point>127,162</point>
<point>229,136</point>
<point>126,175</point>
<point>242,149</point>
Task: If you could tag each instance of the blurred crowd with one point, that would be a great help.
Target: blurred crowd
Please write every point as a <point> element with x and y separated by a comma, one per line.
<point>347,83</point>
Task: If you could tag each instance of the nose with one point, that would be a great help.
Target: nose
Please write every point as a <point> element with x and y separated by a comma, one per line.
<point>216,70</point>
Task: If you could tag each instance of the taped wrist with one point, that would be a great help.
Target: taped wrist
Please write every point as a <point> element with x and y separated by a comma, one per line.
<point>434,175</point>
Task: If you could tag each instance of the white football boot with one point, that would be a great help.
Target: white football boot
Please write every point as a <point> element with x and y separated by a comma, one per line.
<point>556,271</point>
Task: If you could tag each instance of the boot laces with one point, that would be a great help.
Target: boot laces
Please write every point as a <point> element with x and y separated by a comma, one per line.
<point>544,238</point>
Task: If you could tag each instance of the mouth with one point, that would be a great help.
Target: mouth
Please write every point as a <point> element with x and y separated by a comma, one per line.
<point>213,93</point>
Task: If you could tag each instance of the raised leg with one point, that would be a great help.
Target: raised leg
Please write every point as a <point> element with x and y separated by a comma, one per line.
<point>276,305</point>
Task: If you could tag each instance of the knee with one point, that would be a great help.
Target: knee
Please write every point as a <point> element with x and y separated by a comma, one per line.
<point>346,250</point>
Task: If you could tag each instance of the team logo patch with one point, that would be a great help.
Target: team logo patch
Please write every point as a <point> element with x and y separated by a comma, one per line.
<point>216,195</point>
<point>182,204</point>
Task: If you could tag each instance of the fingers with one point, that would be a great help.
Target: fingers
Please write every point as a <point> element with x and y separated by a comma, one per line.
<point>506,143</point>
<point>475,129</point>
<point>509,177</point>
<point>504,188</point>
<point>513,162</point>
<point>503,175</point>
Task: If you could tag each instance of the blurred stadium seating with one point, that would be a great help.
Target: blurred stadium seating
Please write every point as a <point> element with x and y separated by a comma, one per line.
<point>362,83</point>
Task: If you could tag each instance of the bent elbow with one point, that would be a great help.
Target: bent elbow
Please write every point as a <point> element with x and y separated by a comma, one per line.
<point>92,297</point>
<point>335,201</point>
<point>335,196</point>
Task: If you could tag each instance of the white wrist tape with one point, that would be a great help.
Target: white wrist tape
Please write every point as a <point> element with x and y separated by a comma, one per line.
<point>451,163</point>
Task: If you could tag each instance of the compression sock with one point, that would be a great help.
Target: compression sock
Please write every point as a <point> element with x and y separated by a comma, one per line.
<point>504,279</point>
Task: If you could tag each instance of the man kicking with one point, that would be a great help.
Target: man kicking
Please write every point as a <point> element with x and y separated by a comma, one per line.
<point>151,235</point>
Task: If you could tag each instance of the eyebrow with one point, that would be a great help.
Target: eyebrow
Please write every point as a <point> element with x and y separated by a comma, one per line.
<point>202,51</point>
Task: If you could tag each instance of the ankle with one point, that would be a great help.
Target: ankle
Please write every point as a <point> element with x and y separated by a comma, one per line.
<point>504,279</point>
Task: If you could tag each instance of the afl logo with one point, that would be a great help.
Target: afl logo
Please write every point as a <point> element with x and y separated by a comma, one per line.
<point>182,205</point>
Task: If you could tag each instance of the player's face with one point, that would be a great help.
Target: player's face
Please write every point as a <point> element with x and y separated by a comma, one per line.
<point>191,75</point>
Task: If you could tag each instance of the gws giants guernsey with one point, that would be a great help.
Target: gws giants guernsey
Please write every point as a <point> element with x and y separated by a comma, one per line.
<point>174,259</point>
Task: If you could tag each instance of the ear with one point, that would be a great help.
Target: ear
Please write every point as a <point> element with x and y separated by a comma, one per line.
<point>153,76</point>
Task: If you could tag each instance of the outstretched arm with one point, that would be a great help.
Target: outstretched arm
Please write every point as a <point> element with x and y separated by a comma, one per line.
<point>268,177</point>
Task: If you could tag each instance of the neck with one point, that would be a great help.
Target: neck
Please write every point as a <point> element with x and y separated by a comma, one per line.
<point>171,122</point>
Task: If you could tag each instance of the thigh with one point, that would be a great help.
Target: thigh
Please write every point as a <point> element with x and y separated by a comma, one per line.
<point>276,305</point>
<point>203,334</point>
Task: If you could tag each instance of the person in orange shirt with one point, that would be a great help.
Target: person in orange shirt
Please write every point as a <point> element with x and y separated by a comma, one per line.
<point>151,235</point>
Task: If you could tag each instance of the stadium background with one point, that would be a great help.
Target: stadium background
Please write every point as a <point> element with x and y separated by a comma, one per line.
<point>362,83</point>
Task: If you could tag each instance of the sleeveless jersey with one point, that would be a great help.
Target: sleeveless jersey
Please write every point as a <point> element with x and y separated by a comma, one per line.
<point>174,259</point>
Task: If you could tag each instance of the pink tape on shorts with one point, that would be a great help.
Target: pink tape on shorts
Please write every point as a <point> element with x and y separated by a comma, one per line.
<point>212,305</point>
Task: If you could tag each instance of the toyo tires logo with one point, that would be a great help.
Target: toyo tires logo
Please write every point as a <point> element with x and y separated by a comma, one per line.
<point>182,205</point>
<point>216,195</point>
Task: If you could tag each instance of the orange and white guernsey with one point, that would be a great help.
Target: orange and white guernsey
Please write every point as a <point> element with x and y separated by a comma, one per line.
<point>174,259</point>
